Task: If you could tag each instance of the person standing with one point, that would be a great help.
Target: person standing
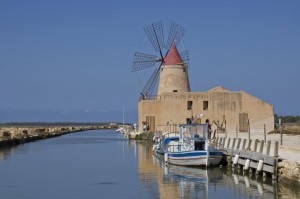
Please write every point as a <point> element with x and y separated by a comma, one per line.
<point>208,128</point>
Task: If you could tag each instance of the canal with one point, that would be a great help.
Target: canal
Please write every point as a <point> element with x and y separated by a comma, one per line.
<point>104,164</point>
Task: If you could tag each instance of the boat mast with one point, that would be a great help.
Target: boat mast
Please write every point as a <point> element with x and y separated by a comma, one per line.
<point>123,116</point>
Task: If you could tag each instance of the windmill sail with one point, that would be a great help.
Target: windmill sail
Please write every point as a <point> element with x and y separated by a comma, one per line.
<point>155,35</point>
<point>142,61</point>
<point>175,35</point>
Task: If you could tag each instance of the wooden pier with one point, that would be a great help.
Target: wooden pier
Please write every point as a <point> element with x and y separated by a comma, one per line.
<point>248,155</point>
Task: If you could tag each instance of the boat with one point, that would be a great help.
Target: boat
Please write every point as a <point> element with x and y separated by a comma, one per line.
<point>122,129</point>
<point>163,140</point>
<point>160,147</point>
<point>192,147</point>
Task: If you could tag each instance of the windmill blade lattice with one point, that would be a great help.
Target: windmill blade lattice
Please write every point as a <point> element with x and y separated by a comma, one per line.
<point>155,34</point>
<point>185,57</point>
<point>175,35</point>
<point>149,87</point>
<point>142,61</point>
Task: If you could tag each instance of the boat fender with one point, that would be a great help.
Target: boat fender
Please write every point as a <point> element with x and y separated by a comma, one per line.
<point>166,157</point>
<point>236,159</point>
<point>247,165</point>
<point>260,165</point>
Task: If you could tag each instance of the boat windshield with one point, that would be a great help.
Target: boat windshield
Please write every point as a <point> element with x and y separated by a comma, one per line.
<point>192,131</point>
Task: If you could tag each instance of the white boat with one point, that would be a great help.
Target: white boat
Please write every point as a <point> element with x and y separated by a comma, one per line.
<point>121,130</point>
<point>192,147</point>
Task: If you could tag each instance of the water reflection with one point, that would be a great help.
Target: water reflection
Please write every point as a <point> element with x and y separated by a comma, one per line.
<point>191,182</point>
<point>103,164</point>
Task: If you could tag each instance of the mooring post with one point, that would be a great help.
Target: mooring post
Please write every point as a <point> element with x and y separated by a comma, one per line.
<point>225,127</point>
<point>255,145</point>
<point>233,143</point>
<point>248,129</point>
<point>261,148</point>
<point>223,144</point>
<point>228,143</point>
<point>236,136</point>
<point>249,144</point>
<point>265,134</point>
<point>268,147</point>
<point>244,144</point>
<point>238,144</point>
<point>280,129</point>
<point>275,160</point>
<point>276,149</point>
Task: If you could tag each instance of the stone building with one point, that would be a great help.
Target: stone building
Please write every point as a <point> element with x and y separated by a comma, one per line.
<point>176,104</point>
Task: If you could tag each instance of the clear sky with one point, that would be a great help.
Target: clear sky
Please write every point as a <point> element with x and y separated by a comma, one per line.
<point>70,60</point>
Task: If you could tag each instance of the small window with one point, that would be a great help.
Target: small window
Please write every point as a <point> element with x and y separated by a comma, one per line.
<point>175,91</point>
<point>189,105</point>
<point>189,120</point>
<point>205,105</point>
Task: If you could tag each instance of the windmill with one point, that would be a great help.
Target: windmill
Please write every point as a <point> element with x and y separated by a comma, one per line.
<point>143,61</point>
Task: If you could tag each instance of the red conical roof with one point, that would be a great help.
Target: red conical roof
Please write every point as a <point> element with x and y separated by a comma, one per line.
<point>173,57</point>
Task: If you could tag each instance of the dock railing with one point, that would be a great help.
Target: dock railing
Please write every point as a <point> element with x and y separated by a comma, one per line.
<point>250,155</point>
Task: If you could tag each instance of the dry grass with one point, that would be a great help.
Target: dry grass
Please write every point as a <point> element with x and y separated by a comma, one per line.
<point>289,128</point>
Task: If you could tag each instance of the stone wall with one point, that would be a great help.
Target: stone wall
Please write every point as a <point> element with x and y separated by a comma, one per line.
<point>217,105</point>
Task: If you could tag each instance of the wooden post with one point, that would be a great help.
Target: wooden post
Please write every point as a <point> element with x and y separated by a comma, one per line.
<point>233,143</point>
<point>244,144</point>
<point>228,143</point>
<point>223,144</point>
<point>239,142</point>
<point>236,136</point>
<point>268,147</point>
<point>225,128</point>
<point>276,160</point>
<point>265,134</point>
<point>255,145</point>
<point>261,148</point>
<point>248,129</point>
<point>280,129</point>
<point>276,149</point>
<point>249,144</point>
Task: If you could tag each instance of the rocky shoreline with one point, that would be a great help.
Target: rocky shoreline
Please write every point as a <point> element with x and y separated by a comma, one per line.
<point>289,173</point>
<point>22,134</point>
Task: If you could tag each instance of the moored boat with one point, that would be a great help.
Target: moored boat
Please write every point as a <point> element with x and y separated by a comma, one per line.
<point>192,147</point>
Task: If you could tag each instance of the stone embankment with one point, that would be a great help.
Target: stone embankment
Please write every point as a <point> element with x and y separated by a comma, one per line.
<point>18,135</point>
<point>289,173</point>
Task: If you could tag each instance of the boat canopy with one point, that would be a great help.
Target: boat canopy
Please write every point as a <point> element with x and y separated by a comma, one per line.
<point>191,131</point>
<point>170,139</point>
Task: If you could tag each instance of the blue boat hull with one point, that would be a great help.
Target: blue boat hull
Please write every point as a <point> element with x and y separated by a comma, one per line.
<point>195,158</point>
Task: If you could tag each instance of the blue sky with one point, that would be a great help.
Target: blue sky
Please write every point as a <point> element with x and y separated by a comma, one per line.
<point>71,60</point>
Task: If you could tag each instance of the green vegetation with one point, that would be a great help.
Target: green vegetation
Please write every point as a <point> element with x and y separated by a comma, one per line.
<point>287,119</point>
<point>290,125</point>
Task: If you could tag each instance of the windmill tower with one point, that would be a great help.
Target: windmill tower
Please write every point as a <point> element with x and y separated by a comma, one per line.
<point>173,66</point>
<point>173,73</point>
